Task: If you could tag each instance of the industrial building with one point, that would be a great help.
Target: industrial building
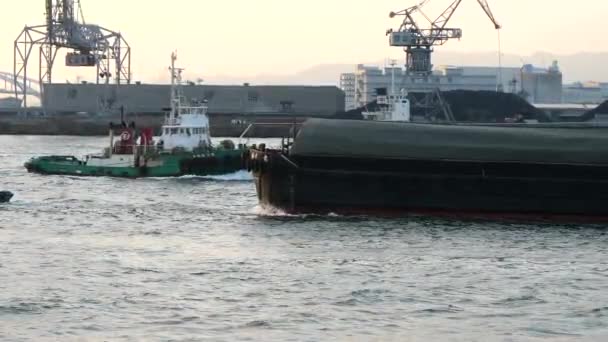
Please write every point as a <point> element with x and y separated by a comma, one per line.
<point>585,93</point>
<point>347,85</point>
<point>154,98</point>
<point>540,85</point>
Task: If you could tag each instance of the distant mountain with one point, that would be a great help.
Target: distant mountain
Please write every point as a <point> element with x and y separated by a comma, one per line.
<point>576,67</point>
<point>322,74</point>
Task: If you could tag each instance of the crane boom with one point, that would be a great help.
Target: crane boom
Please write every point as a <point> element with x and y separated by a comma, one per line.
<point>486,8</point>
<point>443,18</point>
<point>441,22</point>
<point>410,10</point>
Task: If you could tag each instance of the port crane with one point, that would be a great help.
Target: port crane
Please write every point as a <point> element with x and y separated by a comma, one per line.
<point>418,42</point>
<point>65,28</point>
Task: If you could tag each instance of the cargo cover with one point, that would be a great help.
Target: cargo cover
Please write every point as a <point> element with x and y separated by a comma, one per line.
<point>476,143</point>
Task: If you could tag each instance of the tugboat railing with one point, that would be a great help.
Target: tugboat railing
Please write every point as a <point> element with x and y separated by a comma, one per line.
<point>250,126</point>
<point>148,150</point>
<point>288,161</point>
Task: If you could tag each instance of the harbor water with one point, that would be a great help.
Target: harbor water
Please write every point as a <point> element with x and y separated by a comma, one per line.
<point>195,258</point>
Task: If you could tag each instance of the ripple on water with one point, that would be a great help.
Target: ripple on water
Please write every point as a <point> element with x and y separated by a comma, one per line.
<point>16,307</point>
<point>257,324</point>
<point>20,309</point>
<point>196,258</point>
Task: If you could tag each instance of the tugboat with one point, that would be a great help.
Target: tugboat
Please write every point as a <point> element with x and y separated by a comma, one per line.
<point>184,147</point>
<point>390,108</point>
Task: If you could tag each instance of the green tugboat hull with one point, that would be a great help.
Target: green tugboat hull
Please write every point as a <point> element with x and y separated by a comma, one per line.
<point>164,165</point>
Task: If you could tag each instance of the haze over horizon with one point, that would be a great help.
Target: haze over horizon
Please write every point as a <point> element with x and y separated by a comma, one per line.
<point>272,39</point>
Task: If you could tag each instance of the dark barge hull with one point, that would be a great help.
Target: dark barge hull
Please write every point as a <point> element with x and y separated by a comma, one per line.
<point>341,184</point>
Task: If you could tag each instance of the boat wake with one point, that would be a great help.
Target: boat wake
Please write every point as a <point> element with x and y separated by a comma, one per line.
<point>269,211</point>
<point>272,212</point>
<point>239,176</point>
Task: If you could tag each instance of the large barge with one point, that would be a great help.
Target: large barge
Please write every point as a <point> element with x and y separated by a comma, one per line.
<point>360,167</point>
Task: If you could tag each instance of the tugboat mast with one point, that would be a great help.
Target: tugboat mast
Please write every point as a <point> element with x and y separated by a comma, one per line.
<point>393,64</point>
<point>176,78</point>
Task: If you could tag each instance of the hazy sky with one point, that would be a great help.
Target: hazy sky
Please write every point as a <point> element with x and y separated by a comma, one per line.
<point>249,37</point>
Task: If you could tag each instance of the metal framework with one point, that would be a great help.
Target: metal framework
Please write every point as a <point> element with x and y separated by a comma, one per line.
<point>434,106</point>
<point>90,45</point>
<point>418,42</point>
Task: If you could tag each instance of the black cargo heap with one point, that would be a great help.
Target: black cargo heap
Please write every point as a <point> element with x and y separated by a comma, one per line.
<point>348,166</point>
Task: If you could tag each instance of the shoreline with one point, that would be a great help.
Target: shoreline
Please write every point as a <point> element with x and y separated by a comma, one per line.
<point>92,126</point>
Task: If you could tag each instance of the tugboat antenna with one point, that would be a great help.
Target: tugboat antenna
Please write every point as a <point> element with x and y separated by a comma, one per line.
<point>393,64</point>
<point>172,69</point>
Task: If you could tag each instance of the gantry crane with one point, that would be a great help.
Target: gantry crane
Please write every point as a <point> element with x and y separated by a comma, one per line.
<point>90,45</point>
<point>418,42</point>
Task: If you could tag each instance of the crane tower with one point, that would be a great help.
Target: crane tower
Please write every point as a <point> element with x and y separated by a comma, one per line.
<point>418,42</point>
<point>89,45</point>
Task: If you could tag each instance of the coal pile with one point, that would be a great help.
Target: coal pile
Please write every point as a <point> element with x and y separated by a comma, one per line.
<point>601,109</point>
<point>470,106</point>
<point>357,114</point>
<point>488,106</point>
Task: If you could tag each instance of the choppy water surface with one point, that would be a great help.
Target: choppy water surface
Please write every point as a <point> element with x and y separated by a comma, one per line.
<point>192,259</point>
